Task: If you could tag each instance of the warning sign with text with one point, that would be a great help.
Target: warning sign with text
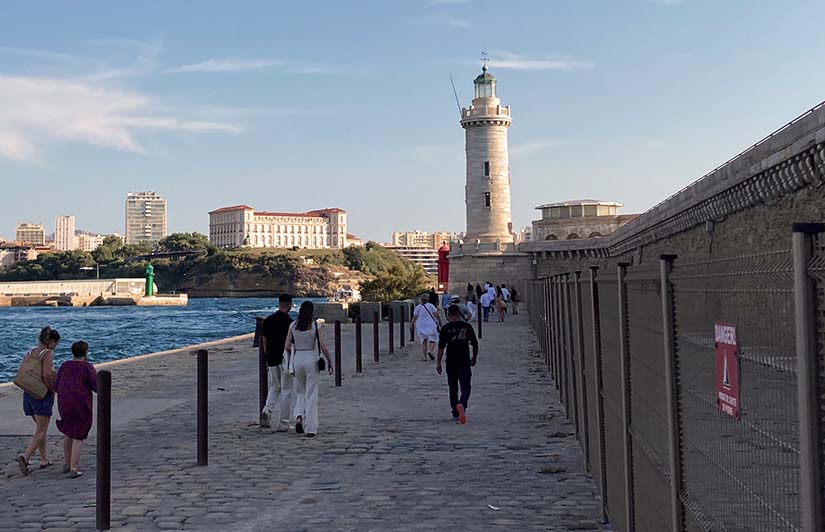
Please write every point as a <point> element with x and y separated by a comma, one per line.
<point>727,370</point>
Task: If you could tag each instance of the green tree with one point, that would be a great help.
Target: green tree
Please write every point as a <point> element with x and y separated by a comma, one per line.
<point>184,242</point>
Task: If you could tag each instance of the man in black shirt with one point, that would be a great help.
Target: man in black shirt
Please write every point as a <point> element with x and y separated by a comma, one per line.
<point>280,397</point>
<point>457,336</point>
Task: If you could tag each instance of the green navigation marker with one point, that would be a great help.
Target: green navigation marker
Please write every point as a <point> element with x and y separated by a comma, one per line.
<point>150,280</point>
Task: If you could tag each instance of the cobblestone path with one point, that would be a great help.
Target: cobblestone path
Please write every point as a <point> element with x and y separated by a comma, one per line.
<point>387,456</point>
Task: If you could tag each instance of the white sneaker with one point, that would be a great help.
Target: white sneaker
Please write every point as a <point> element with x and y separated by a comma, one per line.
<point>282,427</point>
<point>266,416</point>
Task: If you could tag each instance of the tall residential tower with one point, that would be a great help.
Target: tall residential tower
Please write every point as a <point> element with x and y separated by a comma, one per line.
<point>487,193</point>
<point>145,218</point>
<point>64,239</point>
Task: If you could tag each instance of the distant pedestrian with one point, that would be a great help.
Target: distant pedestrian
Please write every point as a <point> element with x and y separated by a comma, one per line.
<point>36,378</point>
<point>514,300</point>
<point>463,309</point>
<point>280,399</point>
<point>445,301</point>
<point>470,291</point>
<point>456,337</point>
<point>426,323</point>
<point>500,305</point>
<point>479,291</point>
<point>472,307</point>
<point>308,345</point>
<point>506,295</point>
<point>486,304</point>
<point>433,298</point>
<point>76,380</point>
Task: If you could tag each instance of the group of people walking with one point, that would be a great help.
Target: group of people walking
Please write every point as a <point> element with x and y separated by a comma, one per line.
<point>493,300</point>
<point>73,384</point>
<point>296,355</point>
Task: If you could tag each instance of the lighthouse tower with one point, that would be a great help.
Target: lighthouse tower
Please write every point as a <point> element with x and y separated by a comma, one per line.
<point>487,193</point>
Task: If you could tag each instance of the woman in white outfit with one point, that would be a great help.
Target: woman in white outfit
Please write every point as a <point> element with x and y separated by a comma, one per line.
<point>426,322</point>
<point>305,346</point>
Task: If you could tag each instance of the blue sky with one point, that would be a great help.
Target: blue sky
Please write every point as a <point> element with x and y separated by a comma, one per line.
<point>302,105</point>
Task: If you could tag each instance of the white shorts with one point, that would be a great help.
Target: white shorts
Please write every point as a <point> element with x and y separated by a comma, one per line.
<point>432,337</point>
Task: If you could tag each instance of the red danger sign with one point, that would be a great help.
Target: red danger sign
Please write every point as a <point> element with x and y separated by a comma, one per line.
<point>727,370</point>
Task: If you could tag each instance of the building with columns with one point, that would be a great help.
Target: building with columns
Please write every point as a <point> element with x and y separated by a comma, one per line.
<point>243,226</point>
<point>487,193</point>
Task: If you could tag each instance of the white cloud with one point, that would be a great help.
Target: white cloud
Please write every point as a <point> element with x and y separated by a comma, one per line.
<point>36,111</point>
<point>459,23</point>
<point>243,65</point>
<point>507,60</point>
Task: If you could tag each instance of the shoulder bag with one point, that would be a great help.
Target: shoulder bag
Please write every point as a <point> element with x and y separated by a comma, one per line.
<point>29,376</point>
<point>322,362</point>
<point>437,326</point>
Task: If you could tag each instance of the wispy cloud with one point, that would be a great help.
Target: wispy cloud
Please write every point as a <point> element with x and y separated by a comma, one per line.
<point>36,53</point>
<point>243,65</point>
<point>459,23</point>
<point>507,60</point>
<point>37,111</point>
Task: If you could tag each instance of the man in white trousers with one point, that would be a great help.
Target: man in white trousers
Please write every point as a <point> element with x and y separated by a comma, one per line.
<point>280,399</point>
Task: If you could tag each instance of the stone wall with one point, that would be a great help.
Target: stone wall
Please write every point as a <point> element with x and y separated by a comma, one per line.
<point>507,268</point>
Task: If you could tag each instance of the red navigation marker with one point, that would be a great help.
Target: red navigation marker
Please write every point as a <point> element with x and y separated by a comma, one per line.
<point>727,370</point>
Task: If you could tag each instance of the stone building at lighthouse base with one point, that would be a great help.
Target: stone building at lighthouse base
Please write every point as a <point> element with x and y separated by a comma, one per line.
<point>477,264</point>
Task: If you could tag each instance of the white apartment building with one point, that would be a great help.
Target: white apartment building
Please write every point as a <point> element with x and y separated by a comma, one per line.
<point>145,218</point>
<point>89,242</point>
<point>32,233</point>
<point>241,225</point>
<point>422,239</point>
<point>64,237</point>
<point>426,257</point>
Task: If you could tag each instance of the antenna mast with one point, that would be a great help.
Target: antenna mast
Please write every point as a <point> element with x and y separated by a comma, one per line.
<point>455,93</point>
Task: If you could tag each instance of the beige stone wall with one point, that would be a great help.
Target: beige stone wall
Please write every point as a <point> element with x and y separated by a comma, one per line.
<point>487,141</point>
<point>507,268</point>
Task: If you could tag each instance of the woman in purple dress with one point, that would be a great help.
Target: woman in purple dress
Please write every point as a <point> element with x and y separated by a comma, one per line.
<point>76,380</point>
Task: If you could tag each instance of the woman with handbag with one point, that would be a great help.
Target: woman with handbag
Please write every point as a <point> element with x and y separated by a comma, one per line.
<point>36,377</point>
<point>308,357</point>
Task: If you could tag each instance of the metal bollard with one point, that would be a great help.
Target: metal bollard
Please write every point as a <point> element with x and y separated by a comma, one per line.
<point>259,322</point>
<point>480,318</point>
<point>391,339</point>
<point>358,367</point>
<point>376,319</point>
<point>401,332</point>
<point>337,353</point>
<point>104,450</point>
<point>263,383</point>
<point>203,407</point>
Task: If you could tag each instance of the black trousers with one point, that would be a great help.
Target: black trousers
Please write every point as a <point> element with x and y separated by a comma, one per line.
<point>459,377</point>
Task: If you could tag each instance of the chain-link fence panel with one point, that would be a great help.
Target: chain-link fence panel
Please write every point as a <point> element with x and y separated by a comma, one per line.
<point>738,474</point>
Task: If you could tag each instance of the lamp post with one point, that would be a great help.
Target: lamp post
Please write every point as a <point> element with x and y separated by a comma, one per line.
<point>89,268</point>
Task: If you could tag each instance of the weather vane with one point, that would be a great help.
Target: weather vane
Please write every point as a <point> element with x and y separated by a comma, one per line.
<point>484,59</point>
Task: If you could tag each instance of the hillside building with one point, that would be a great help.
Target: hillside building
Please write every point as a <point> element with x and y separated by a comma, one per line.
<point>587,218</point>
<point>145,218</point>
<point>31,233</point>
<point>243,226</point>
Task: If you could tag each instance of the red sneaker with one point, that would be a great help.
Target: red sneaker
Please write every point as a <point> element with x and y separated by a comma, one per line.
<point>462,417</point>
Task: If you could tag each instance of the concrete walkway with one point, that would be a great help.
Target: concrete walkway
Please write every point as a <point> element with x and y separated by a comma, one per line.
<point>387,456</point>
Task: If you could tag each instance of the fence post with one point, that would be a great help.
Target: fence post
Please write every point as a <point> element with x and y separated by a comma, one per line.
<point>203,407</point>
<point>390,324</point>
<point>376,321</point>
<point>402,334</point>
<point>358,347</point>
<point>103,487</point>
<point>677,521</point>
<point>597,369</point>
<point>337,352</point>
<point>571,351</point>
<point>480,318</point>
<point>551,332</point>
<point>263,380</point>
<point>544,323</point>
<point>259,322</point>
<point>624,362</point>
<point>577,296</point>
<point>561,362</point>
<point>809,379</point>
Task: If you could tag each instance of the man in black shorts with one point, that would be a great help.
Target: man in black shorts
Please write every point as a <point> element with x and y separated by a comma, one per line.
<point>280,397</point>
<point>457,336</point>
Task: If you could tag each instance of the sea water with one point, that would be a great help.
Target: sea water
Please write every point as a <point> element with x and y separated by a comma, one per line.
<point>121,332</point>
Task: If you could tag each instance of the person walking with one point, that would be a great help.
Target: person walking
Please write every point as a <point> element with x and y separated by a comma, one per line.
<point>280,398</point>
<point>470,291</point>
<point>433,298</point>
<point>426,323</point>
<point>479,291</point>
<point>505,293</point>
<point>446,298</point>
<point>76,380</point>
<point>499,304</point>
<point>36,377</point>
<point>486,302</point>
<point>456,337</point>
<point>305,340</point>
<point>514,300</point>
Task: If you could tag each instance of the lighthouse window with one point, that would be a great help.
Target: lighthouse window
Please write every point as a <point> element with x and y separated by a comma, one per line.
<point>486,199</point>
<point>486,168</point>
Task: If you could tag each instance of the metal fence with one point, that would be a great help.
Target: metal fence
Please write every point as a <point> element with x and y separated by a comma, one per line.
<point>696,389</point>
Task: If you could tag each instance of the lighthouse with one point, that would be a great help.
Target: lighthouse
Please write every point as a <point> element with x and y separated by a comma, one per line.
<point>487,192</point>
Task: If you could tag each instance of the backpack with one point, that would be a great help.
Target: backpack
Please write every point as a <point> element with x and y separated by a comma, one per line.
<point>29,376</point>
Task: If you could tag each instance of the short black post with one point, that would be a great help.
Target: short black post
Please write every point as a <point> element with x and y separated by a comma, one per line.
<point>391,339</point>
<point>402,334</point>
<point>263,382</point>
<point>358,367</point>
<point>203,407</point>
<point>337,352</point>
<point>259,322</point>
<point>480,318</point>
<point>376,320</point>
<point>104,450</point>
